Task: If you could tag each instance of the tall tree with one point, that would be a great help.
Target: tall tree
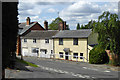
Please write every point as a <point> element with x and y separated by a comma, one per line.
<point>78,26</point>
<point>108,28</point>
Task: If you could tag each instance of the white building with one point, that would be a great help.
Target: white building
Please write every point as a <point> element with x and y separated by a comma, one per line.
<point>38,43</point>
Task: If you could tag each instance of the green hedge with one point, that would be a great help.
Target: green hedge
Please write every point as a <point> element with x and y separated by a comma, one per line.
<point>98,55</point>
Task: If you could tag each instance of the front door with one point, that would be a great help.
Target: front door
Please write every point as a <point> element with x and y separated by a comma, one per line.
<point>43,53</point>
<point>66,56</point>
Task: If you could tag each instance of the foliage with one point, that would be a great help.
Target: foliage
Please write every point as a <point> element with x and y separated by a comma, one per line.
<point>108,27</point>
<point>27,63</point>
<point>90,25</point>
<point>55,24</point>
<point>98,55</point>
<point>78,26</point>
<point>9,33</point>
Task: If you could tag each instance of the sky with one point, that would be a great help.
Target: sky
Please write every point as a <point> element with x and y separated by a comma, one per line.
<point>71,11</point>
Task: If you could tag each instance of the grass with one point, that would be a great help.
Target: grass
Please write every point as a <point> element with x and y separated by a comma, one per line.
<point>27,63</point>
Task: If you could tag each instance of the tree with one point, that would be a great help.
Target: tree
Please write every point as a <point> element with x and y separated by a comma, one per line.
<point>9,34</point>
<point>89,25</point>
<point>108,28</point>
<point>78,26</point>
<point>55,24</point>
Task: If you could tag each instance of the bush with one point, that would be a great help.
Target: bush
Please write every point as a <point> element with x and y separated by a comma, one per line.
<point>98,55</point>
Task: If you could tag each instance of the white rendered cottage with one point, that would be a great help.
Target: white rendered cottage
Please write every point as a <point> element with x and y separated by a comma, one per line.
<point>38,43</point>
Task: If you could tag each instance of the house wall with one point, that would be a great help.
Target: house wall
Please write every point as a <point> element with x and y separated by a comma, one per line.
<point>68,43</point>
<point>89,48</point>
<point>93,38</point>
<point>40,43</point>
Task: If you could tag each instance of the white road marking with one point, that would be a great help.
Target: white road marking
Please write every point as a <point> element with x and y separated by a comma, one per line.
<point>95,69</point>
<point>66,72</point>
<point>106,71</point>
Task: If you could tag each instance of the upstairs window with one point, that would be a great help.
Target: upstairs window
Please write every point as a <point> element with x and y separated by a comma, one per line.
<point>25,40</point>
<point>75,41</point>
<point>34,40</point>
<point>46,40</point>
<point>61,41</point>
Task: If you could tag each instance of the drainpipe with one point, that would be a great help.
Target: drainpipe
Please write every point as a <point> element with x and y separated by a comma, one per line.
<point>87,49</point>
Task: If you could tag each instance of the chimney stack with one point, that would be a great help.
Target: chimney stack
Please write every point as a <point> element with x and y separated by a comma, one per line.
<point>61,26</point>
<point>64,25</point>
<point>46,25</point>
<point>28,20</point>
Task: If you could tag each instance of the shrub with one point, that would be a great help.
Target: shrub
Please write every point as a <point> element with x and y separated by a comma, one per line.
<point>98,55</point>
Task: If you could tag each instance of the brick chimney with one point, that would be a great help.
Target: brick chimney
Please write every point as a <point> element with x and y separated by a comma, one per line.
<point>28,20</point>
<point>61,26</point>
<point>64,25</point>
<point>46,25</point>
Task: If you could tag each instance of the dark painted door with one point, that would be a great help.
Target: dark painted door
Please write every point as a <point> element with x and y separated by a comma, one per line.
<point>66,55</point>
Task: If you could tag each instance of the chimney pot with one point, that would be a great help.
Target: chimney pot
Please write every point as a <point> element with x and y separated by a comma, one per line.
<point>28,20</point>
<point>46,25</point>
<point>64,25</point>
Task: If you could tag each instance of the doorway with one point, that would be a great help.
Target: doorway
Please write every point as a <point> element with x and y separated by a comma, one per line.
<point>66,56</point>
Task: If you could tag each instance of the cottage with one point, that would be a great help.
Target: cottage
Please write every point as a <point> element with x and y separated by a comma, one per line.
<point>38,43</point>
<point>74,44</point>
<point>25,27</point>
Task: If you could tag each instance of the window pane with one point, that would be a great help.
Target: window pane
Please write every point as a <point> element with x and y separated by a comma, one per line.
<point>51,51</point>
<point>60,41</point>
<point>75,41</point>
<point>75,55</point>
<point>81,55</point>
<point>34,40</point>
<point>61,54</point>
<point>46,40</point>
<point>25,40</point>
<point>35,50</point>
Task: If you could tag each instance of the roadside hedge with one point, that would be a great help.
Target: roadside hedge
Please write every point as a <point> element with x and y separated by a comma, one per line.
<point>98,55</point>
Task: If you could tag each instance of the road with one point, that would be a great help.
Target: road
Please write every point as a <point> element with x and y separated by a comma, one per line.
<point>49,68</point>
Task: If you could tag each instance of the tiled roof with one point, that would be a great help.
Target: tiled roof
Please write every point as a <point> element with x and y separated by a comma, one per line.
<point>82,33</point>
<point>25,27</point>
<point>40,34</point>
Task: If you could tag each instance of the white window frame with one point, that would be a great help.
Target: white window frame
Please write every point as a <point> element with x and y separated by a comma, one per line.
<point>47,41</point>
<point>34,41</point>
<point>25,40</point>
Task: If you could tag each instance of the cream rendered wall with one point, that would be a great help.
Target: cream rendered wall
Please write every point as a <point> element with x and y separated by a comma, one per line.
<point>68,43</point>
<point>89,48</point>
<point>40,43</point>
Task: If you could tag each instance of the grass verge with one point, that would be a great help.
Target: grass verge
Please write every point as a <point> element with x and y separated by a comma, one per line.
<point>27,63</point>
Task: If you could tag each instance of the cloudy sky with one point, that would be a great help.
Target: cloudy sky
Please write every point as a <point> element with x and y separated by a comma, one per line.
<point>71,11</point>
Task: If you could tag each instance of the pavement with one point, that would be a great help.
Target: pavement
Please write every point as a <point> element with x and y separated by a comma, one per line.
<point>50,68</point>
